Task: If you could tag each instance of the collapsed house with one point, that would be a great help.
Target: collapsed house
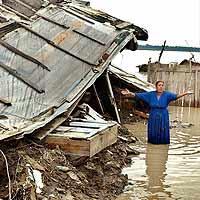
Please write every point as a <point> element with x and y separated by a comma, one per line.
<point>51,55</point>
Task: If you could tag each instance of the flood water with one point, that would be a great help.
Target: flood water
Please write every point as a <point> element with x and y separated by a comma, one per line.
<point>167,171</point>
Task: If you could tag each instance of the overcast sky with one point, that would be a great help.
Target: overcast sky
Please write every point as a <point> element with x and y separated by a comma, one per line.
<point>176,21</point>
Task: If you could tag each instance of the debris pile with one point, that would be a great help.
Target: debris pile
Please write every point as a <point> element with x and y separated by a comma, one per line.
<point>37,172</point>
<point>44,81</point>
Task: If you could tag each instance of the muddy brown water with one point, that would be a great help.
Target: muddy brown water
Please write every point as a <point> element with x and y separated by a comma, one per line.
<point>167,171</point>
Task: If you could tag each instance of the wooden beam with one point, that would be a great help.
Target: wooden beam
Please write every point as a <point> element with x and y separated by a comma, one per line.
<point>20,53</point>
<point>16,12</point>
<point>63,128</point>
<point>87,124</point>
<point>112,98</point>
<point>89,37</point>
<point>162,50</point>
<point>196,89</point>
<point>98,99</point>
<point>21,77</point>
<point>52,21</point>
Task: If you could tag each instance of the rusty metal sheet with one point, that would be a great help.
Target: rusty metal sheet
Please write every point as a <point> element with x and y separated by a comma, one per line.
<point>68,78</point>
<point>20,7</point>
<point>132,79</point>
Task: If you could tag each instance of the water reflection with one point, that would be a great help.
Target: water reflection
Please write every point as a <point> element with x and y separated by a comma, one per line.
<point>156,159</point>
<point>165,172</point>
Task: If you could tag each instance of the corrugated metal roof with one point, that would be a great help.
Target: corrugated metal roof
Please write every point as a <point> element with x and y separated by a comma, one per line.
<point>25,7</point>
<point>74,48</point>
<point>131,79</point>
<point>8,20</point>
<point>30,7</point>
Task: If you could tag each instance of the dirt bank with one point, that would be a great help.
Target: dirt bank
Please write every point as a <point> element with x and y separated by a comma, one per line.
<point>65,177</point>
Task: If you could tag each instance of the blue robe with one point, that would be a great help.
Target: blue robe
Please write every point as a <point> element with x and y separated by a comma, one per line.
<point>158,122</point>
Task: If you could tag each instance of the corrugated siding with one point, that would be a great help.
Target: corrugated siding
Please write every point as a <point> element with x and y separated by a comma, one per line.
<point>68,74</point>
<point>132,79</point>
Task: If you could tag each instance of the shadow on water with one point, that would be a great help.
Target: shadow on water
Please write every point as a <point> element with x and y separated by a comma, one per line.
<point>167,171</point>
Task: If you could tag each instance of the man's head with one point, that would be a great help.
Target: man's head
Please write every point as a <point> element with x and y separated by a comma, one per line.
<point>159,86</point>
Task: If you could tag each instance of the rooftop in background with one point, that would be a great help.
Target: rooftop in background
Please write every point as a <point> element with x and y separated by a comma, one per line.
<point>128,60</point>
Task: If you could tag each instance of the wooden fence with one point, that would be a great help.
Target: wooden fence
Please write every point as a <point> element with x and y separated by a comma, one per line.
<point>178,78</point>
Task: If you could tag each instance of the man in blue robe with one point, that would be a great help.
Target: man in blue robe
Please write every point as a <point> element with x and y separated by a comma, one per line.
<point>158,122</point>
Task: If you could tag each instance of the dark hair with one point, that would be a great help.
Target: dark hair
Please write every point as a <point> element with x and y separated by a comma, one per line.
<point>157,82</point>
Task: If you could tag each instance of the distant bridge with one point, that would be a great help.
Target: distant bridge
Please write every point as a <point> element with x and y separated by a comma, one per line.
<point>168,48</point>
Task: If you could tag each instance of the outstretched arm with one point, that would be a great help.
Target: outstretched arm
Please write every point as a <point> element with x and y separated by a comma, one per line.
<point>144,96</point>
<point>127,93</point>
<point>184,94</point>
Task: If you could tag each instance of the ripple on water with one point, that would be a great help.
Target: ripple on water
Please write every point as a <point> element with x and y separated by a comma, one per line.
<point>167,172</point>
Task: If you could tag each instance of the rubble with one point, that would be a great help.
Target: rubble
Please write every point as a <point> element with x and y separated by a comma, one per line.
<point>64,176</point>
<point>56,75</point>
<point>51,88</point>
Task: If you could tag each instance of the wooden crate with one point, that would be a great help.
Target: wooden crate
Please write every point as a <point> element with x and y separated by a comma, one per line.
<point>96,141</point>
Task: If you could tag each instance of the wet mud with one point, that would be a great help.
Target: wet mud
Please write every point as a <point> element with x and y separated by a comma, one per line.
<point>65,177</point>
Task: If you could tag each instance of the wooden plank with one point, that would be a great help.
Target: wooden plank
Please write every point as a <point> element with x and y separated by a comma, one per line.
<point>81,133</point>
<point>63,128</point>
<point>89,121</point>
<point>112,97</point>
<point>52,21</point>
<point>196,89</point>
<point>7,27</point>
<point>86,124</point>
<point>95,115</point>
<point>83,147</point>
<point>98,98</point>
<point>71,146</point>
<point>82,130</point>
<point>103,140</point>
<point>149,71</point>
<point>89,37</point>
<point>71,135</point>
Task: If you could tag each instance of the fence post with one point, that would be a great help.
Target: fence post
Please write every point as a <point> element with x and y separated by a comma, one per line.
<point>196,88</point>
